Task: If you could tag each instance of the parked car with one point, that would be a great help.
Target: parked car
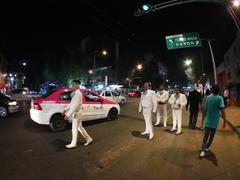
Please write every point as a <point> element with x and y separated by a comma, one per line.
<point>113,96</point>
<point>47,110</point>
<point>7,105</point>
<point>134,94</point>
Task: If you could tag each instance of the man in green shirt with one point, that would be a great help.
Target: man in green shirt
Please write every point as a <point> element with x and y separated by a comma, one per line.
<point>214,104</point>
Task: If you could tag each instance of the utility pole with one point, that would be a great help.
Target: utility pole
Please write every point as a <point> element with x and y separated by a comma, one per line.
<point>116,61</point>
<point>213,61</point>
<point>212,57</point>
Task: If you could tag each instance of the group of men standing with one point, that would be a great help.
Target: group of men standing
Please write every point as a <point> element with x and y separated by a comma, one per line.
<point>212,106</point>
<point>154,102</point>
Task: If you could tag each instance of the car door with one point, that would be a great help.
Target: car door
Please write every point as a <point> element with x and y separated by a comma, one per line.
<point>108,95</point>
<point>116,97</point>
<point>92,107</point>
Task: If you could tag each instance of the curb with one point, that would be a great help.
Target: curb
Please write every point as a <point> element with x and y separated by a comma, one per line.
<point>233,127</point>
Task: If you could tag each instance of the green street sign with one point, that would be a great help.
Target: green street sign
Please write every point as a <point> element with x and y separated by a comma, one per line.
<point>185,40</point>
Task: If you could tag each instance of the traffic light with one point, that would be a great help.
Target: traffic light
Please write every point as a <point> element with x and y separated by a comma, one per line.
<point>146,8</point>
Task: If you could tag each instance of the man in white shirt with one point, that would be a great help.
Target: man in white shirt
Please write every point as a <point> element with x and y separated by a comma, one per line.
<point>178,101</point>
<point>72,112</point>
<point>162,98</point>
<point>147,105</point>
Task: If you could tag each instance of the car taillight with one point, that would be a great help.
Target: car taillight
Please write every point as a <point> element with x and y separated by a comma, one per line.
<point>37,106</point>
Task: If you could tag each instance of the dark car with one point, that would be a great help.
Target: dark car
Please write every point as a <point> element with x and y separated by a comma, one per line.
<point>7,105</point>
<point>134,94</point>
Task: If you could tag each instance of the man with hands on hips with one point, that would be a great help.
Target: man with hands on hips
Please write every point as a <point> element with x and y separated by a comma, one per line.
<point>178,101</point>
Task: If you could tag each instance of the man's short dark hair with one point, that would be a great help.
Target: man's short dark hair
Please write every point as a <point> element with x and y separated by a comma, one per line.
<point>208,92</point>
<point>76,81</point>
<point>149,84</point>
<point>215,89</point>
<point>178,87</point>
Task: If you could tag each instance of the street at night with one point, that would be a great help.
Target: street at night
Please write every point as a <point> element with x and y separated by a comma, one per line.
<point>135,89</point>
<point>119,151</point>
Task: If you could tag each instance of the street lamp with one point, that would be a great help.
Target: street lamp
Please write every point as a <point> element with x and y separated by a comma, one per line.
<point>236,3</point>
<point>139,67</point>
<point>104,52</point>
<point>188,62</point>
<point>90,71</point>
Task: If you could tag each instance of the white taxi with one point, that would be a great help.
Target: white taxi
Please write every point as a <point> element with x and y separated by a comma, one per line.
<point>112,96</point>
<point>47,110</point>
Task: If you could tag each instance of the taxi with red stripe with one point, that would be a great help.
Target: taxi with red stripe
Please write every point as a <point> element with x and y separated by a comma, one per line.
<point>47,110</point>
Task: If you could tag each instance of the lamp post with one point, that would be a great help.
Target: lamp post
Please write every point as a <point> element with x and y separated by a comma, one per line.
<point>103,53</point>
<point>139,67</point>
<point>188,62</point>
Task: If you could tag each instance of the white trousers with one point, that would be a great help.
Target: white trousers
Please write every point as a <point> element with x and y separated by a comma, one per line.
<point>147,114</point>
<point>77,126</point>
<point>164,113</point>
<point>177,119</point>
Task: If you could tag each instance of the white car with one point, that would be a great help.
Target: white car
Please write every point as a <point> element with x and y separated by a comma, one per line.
<point>48,109</point>
<point>112,96</point>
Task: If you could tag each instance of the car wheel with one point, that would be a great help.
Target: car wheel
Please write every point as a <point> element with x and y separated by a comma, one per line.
<point>112,114</point>
<point>57,123</point>
<point>3,111</point>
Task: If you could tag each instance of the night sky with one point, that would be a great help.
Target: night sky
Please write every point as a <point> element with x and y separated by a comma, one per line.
<point>29,30</point>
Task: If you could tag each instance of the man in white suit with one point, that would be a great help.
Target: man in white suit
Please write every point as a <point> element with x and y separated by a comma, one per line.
<point>72,111</point>
<point>178,101</point>
<point>147,105</point>
<point>162,98</point>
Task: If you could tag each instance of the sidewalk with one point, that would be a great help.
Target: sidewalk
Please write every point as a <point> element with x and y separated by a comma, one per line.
<point>233,118</point>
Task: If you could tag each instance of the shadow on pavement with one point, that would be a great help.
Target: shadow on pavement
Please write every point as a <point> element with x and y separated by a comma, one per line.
<point>131,117</point>
<point>36,128</point>
<point>138,134</point>
<point>60,145</point>
<point>210,156</point>
<point>93,122</point>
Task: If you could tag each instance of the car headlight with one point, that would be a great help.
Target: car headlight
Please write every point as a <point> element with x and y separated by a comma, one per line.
<point>13,103</point>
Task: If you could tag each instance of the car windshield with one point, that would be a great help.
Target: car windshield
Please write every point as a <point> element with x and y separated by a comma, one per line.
<point>48,94</point>
<point>115,94</point>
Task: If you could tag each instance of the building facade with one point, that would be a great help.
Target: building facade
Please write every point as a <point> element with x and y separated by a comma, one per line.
<point>229,70</point>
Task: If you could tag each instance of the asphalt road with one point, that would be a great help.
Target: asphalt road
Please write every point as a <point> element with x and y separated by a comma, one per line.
<point>31,151</point>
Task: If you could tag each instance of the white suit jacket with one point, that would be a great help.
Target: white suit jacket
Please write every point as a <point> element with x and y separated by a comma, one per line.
<point>148,100</point>
<point>182,100</point>
<point>75,104</point>
<point>162,96</point>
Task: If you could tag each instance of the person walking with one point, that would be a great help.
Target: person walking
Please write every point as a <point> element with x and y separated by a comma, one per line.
<point>162,98</point>
<point>213,106</point>
<point>177,101</point>
<point>207,93</point>
<point>72,111</point>
<point>147,105</point>
<point>194,101</point>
